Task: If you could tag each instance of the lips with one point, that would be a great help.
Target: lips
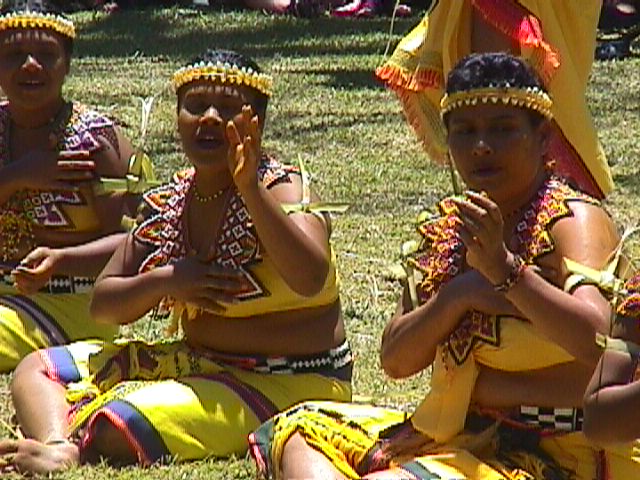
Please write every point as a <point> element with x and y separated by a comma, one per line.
<point>486,171</point>
<point>209,142</point>
<point>31,84</point>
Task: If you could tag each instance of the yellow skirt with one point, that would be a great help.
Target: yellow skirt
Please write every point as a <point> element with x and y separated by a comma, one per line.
<point>363,441</point>
<point>173,402</point>
<point>28,323</point>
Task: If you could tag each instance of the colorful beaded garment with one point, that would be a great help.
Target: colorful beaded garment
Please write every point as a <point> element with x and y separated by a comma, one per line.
<point>78,130</point>
<point>237,245</point>
<point>442,255</point>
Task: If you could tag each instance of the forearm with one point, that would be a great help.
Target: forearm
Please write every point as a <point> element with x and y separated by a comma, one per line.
<point>302,262</point>
<point>566,320</point>
<point>89,259</point>
<point>612,400</point>
<point>121,300</point>
<point>410,340</point>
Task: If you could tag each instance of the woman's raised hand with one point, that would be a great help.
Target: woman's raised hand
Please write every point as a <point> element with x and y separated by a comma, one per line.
<point>482,232</point>
<point>244,148</point>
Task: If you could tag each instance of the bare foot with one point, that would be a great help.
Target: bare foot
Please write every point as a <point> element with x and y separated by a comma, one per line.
<point>31,456</point>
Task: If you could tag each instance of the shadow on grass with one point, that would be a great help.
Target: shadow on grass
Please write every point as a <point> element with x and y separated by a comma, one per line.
<point>183,34</point>
<point>630,182</point>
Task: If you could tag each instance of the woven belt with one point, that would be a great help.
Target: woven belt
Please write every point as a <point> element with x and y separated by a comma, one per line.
<point>57,284</point>
<point>561,419</point>
<point>336,362</point>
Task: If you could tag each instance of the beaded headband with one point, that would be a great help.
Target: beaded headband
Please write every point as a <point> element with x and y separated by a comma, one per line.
<point>532,98</point>
<point>224,73</point>
<point>33,20</point>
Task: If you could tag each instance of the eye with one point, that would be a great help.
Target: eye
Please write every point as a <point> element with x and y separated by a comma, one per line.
<point>461,129</point>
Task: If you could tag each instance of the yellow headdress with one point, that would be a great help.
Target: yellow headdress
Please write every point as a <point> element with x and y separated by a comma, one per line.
<point>32,20</point>
<point>224,73</point>
<point>532,98</point>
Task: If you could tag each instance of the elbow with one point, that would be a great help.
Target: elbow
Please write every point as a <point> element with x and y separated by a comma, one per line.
<point>396,366</point>
<point>100,312</point>
<point>313,283</point>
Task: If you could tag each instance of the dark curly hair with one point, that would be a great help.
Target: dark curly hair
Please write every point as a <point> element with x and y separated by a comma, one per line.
<point>39,6</point>
<point>240,60</point>
<point>496,69</point>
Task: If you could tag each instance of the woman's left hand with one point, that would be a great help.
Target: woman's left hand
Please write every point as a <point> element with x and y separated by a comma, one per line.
<point>482,232</point>
<point>244,148</point>
<point>36,269</point>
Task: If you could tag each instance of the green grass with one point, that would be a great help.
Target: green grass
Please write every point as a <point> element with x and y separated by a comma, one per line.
<point>329,111</point>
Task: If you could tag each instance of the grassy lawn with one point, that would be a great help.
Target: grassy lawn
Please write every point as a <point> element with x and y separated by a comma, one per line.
<point>329,111</point>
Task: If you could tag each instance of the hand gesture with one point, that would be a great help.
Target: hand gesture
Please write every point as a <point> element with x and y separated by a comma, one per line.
<point>244,148</point>
<point>482,233</point>
<point>198,281</point>
<point>51,170</point>
<point>36,269</point>
<point>481,296</point>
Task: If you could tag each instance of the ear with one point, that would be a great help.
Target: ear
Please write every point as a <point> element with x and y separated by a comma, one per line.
<point>544,131</point>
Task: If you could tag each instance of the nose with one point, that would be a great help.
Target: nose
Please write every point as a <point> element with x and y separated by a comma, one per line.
<point>481,147</point>
<point>211,116</point>
<point>31,63</point>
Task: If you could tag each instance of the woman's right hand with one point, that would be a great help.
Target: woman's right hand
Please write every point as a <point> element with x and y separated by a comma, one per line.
<point>51,170</point>
<point>202,283</point>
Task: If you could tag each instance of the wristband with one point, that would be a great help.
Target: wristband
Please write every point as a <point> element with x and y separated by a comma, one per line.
<point>517,269</point>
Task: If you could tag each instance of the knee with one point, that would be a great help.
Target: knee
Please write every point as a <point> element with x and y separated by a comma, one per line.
<point>30,367</point>
<point>110,443</point>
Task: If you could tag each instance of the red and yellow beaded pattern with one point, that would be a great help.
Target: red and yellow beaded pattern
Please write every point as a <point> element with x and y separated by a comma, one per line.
<point>630,306</point>
<point>237,245</point>
<point>443,257</point>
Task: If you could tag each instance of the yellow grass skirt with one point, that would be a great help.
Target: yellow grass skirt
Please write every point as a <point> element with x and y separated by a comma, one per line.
<point>171,401</point>
<point>28,323</point>
<point>368,442</point>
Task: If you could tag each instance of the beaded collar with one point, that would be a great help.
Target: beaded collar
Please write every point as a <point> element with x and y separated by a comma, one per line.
<point>443,255</point>
<point>236,246</point>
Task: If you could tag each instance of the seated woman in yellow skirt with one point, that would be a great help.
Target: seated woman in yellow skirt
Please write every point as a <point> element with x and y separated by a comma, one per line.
<point>511,350</point>
<point>56,224</point>
<point>235,247</point>
<point>558,39</point>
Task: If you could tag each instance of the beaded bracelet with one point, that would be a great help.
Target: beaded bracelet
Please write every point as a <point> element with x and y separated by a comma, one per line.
<point>517,269</point>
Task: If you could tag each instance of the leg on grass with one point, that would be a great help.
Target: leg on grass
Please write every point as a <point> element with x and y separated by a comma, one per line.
<point>299,460</point>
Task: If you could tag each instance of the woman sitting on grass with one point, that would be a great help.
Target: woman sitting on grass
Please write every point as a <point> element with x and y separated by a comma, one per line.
<point>255,289</point>
<point>55,227</point>
<point>512,352</point>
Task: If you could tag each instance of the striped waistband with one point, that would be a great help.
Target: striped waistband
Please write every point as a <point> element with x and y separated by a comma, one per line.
<point>57,284</point>
<point>558,419</point>
<point>336,362</point>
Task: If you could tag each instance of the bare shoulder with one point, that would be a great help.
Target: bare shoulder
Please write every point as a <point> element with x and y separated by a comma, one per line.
<point>589,236</point>
<point>113,158</point>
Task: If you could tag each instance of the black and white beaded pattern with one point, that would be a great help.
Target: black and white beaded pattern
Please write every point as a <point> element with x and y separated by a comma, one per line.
<point>334,359</point>
<point>562,419</point>
<point>57,284</point>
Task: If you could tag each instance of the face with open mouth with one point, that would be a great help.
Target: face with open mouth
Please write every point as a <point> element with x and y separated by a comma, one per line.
<point>497,149</point>
<point>33,66</point>
<point>204,108</point>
